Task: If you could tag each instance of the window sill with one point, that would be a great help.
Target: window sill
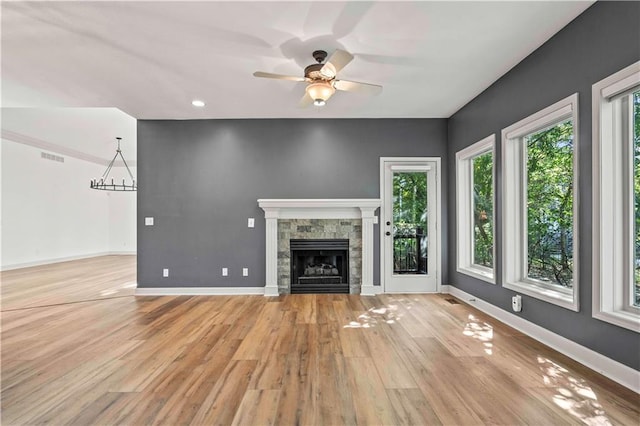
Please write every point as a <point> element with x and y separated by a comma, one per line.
<point>620,318</point>
<point>481,274</point>
<point>549,295</point>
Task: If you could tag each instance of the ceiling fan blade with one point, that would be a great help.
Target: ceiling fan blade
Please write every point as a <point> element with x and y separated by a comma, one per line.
<point>277,76</point>
<point>354,86</point>
<point>305,101</point>
<point>336,62</point>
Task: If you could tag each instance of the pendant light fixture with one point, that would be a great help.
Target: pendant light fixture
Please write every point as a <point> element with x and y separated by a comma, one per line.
<point>104,184</point>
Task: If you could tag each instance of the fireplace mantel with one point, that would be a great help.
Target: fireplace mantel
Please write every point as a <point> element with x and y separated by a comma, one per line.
<point>337,208</point>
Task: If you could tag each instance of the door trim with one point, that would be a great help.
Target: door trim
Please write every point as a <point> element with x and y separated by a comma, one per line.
<point>437,160</point>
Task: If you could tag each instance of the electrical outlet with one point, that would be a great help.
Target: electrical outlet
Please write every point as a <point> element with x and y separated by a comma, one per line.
<point>225,272</point>
<point>251,222</point>
<point>165,272</point>
<point>148,221</point>
<point>245,272</point>
<point>516,303</point>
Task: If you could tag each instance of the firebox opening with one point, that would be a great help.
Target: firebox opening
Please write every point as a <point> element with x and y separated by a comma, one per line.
<point>319,266</point>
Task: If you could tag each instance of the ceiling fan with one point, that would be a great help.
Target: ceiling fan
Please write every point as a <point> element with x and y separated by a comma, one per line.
<point>322,78</point>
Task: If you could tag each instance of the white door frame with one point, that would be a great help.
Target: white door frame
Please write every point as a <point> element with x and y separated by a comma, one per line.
<point>383,219</point>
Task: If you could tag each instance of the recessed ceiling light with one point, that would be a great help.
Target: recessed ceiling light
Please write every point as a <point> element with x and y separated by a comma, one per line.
<point>197,103</point>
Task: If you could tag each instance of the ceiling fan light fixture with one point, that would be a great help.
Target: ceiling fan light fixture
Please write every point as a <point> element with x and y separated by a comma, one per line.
<point>320,92</point>
<point>321,78</point>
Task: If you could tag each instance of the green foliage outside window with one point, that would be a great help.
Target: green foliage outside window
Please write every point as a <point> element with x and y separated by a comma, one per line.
<point>483,210</point>
<point>636,188</point>
<point>550,205</point>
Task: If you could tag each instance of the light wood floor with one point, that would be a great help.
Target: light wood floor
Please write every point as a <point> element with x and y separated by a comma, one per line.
<point>303,359</point>
<point>66,282</point>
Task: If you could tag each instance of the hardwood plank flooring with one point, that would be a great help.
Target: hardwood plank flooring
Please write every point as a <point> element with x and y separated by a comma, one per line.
<point>100,277</point>
<point>76,356</point>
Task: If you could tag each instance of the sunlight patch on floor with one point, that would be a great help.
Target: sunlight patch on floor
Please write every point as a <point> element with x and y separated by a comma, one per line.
<point>573,394</point>
<point>480,331</point>
<point>387,314</point>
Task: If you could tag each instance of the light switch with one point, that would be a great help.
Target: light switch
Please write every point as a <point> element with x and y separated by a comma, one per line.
<point>148,221</point>
<point>165,272</point>
<point>375,219</point>
<point>251,222</point>
<point>245,272</point>
<point>225,272</point>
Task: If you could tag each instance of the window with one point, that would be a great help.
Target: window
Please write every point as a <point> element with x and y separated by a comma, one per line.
<point>616,198</point>
<point>636,197</point>
<point>549,188</point>
<point>475,224</point>
<point>540,241</point>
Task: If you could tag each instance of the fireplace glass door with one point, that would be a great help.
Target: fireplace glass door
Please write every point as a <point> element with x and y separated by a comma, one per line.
<point>319,265</point>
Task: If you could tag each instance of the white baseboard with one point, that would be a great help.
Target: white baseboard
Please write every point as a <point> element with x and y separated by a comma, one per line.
<point>198,291</point>
<point>370,290</point>
<point>63,259</point>
<point>271,291</point>
<point>608,367</point>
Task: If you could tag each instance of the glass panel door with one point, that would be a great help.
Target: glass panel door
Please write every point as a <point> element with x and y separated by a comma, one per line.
<point>409,229</point>
<point>410,223</point>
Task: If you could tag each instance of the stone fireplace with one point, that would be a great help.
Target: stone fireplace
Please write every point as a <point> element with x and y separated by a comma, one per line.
<point>304,220</point>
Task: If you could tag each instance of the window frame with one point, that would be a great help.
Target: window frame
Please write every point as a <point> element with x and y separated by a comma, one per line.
<point>613,249</point>
<point>464,208</point>
<point>514,205</point>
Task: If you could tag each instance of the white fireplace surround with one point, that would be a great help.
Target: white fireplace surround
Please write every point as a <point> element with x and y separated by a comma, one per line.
<point>338,208</point>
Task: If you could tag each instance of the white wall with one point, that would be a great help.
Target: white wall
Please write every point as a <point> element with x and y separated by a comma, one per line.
<point>49,213</point>
<point>122,221</point>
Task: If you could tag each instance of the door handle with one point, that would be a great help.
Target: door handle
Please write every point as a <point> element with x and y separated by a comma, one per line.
<point>387,233</point>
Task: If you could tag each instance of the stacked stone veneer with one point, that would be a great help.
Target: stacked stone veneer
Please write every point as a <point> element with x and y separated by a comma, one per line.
<point>289,229</point>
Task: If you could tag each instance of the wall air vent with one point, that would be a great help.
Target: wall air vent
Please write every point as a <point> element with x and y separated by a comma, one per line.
<point>52,157</point>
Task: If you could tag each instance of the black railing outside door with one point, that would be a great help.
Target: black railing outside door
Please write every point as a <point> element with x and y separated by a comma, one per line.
<point>410,253</point>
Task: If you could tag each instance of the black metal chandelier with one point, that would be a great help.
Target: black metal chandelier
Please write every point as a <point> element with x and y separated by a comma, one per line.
<point>103,183</point>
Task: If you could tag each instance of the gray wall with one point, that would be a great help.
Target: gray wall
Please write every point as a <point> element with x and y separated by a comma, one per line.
<point>200,180</point>
<point>601,41</point>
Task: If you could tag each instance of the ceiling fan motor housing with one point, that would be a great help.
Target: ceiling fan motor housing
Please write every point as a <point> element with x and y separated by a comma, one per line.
<point>313,72</point>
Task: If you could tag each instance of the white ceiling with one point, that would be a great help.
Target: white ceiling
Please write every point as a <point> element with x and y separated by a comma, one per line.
<point>73,131</point>
<point>151,59</point>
